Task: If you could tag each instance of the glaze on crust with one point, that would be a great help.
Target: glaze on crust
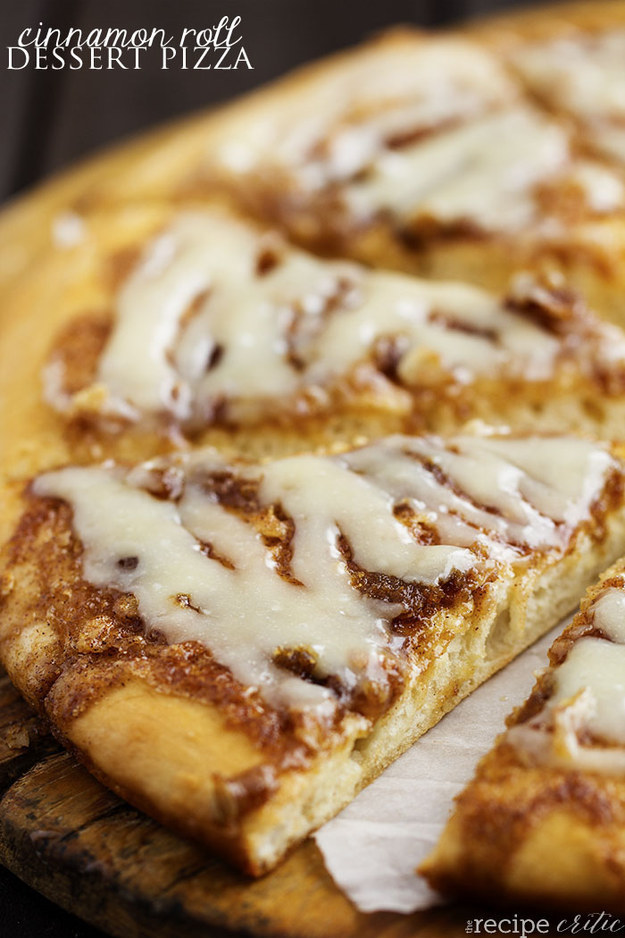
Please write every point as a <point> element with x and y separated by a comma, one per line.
<point>149,713</point>
<point>570,59</point>
<point>347,181</point>
<point>544,818</point>
<point>343,352</point>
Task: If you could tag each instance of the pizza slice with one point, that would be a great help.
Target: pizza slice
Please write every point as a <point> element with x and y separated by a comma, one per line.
<point>544,818</point>
<point>571,57</point>
<point>238,648</point>
<point>423,153</point>
<point>197,326</point>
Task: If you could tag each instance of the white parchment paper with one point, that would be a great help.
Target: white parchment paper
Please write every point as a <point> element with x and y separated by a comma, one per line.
<point>372,848</point>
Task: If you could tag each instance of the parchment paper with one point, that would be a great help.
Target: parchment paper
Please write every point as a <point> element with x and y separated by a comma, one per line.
<point>372,848</point>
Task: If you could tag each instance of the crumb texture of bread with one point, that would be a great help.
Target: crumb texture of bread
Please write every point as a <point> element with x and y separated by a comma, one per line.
<point>544,818</point>
<point>158,612</point>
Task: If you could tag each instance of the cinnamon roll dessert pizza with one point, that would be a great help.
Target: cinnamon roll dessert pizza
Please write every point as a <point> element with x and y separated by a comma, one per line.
<point>312,421</point>
<point>238,648</point>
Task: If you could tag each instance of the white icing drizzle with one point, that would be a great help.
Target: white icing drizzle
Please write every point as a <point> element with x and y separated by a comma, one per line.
<point>483,171</point>
<point>449,148</point>
<point>598,666</point>
<point>362,101</point>
<point>588,697</point>
<point>150,365</point>
<point>603,189</point>
<point>244,611</point>
<point>527,490</point>
<point>362,511</point>
<point>559,481</point>
<point>68,230</point>
<point>198,325</point>
<point>398,306</point>
<point>609,614</point>
<point>585,75</point>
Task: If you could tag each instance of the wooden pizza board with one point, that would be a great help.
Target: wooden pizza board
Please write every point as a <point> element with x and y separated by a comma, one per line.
<point>87,850</point>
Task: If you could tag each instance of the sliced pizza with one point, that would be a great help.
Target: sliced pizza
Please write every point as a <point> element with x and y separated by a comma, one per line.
<point>544,818</point>
<point>425,154</point>
<point>238,648</point>
<point>571,57</point>
<point>421,152</point>
<point>197,326</point>
<point>417,151</point>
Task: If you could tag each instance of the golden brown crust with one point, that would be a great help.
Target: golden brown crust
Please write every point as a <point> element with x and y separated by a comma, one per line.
<point>72,300</point>
<point>83,656</point>
<point>538,832</point>
<point>115,693</point>
<point>540,21</point>
<point>534,834</point>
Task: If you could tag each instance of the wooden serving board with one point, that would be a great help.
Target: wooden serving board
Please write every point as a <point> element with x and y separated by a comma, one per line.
<point>81,846</point>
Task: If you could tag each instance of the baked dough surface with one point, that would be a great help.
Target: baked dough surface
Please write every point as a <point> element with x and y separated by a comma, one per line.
<point>544,818</point>
<point>140,712</point>
<point>439,354</point>
<point>149,715</point>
